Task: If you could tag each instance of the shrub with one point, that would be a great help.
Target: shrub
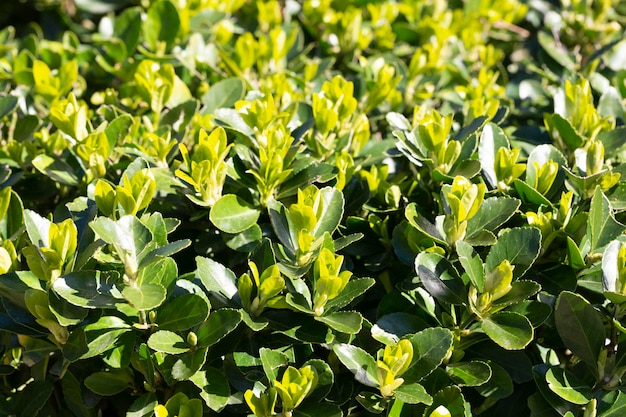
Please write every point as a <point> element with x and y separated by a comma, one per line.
<point>283,208</point>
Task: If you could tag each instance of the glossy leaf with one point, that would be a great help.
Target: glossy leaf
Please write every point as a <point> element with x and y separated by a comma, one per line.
<point>510,330</point>
<point>231,214</point>
<point>580,327</point>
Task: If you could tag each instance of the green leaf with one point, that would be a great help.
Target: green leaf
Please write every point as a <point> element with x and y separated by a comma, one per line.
<point>102,335</point>
<point>493,212</point>
<point>354,288</point>
<point>580,327</point>
<point>332,211</point>
<point>76,345</point>
<point>520,246</point>
<point>556,51</point>
<point>520,291</point>
<point>232,214</point>
<point>510,330</point>
<point>472,264</point>
<point>372,402</point>
<point>33,398</point>
<point>349,322</point>
<point>223,94</point>
<point>217,326</point>
<point>440,278</point>
<point>310,409</point>
<point>390,328</point>
<point>214,388</point>
<point>470,374</point>
<point>129,236</point>
<point>430,347</point>
<point>272,360</point>
<point>182,367</point>
<point>359,362</point>
<point>492,138</point>
<point>73,394</point>
<point>529,195</point>
<point>164,251</point>
<point>217,279</point>
<point>7,105</point>
<point>422,224</point>
<point>602,227</point>
<point>56,168</point>
<point>567,132</point>
<point>143,406</point>
<point>111,382</point>
<point>89,289</point>
<point>167,342</point>
<point>566,386</point>
<point>500,385</point>
<point>412,394</point>
<point>182,312</point>
<point>617,407</point>
<point>161,25</point>
<point>145,297</point>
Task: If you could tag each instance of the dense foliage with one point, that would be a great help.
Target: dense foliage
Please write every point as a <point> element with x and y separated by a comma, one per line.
<point>313,208</point>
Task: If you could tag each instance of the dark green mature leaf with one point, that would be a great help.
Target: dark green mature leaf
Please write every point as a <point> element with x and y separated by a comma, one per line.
<point>470,374</point>
<point>76,345</point>
<point>451,398</point>
<point>214,388</point>
<point>349,322</point>
<point>161,25</point>
<point>440,278</point>
<point>359,362</point>
<point>310,409</point>
<point>102,335</point>
<point>520,291</point>
<point>422,224</point>
<point>89,289</point>
<point>217,279</point>
<point>390,328</point>
<point>164,251</point>
<point>73,395</point>
<point>217,326</point>
<point>500,385</point>
<point>510,330</point>
<point>145,297</point>
<point>602,227</point>
<point>430,347</point>
<point>143,406</point>
<point>110,382</point>
<point>615,408</point>
<point>232,214</point>
<point>580,327</point>
<point>493,212</point>
<point>520,246</point>
<point>57,169</point>
<point>7,105</point>
<point>413,394</point>
<point>352,290</point>
<point>556,51</point>
<point>566,386</point>
<point>223,94</point>
<point>129,236</point>
<point>33,398</point>
<point>472,264</point>
<point>182,367</point>
<point>182,312</point>
<point>167,342</point>
<point>372,402</point>
<point>529,195</point>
